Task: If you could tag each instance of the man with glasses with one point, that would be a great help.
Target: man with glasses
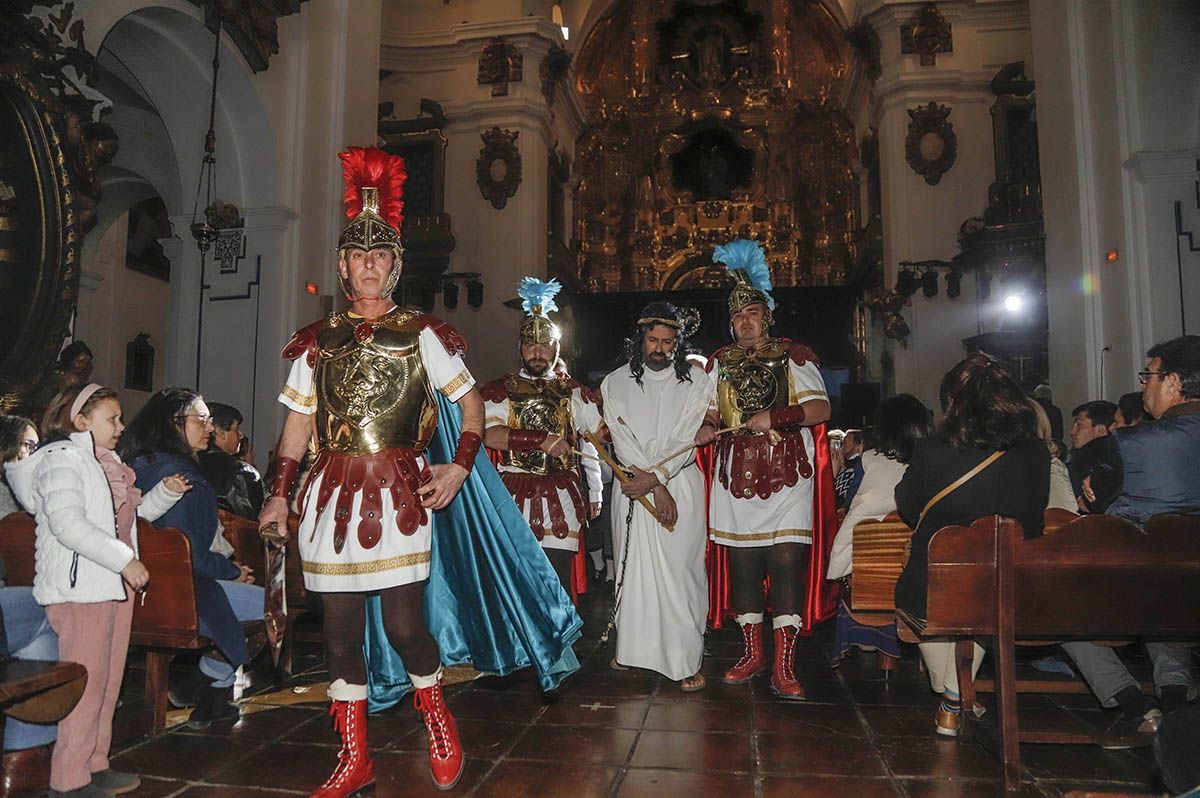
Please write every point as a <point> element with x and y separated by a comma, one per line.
<point>1150,469</point>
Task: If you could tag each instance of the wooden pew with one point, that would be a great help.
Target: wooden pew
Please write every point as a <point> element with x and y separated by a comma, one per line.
<point>165,622</point>
<point>1096,578</point>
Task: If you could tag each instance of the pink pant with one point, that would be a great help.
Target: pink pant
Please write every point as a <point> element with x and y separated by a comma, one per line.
<point>97,637</point>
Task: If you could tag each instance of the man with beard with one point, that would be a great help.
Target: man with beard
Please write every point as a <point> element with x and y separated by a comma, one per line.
<point>772,469</point>
<point>532,418</point>
<point>653,407</point>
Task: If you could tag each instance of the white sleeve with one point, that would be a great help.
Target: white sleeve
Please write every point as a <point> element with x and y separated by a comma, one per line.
<point>298,392</point>
<point>448,373</point>
<point>495,414</point>
<point>807,383</point>
<point>626,447</point>
<point>586,414</point>
<point>591,471</point>
<point>711,377</point>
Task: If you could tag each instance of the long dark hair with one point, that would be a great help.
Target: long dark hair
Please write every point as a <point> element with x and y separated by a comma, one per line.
<point>985,407</point>
<point>633,345</point>
<point>900,422</point>
<point>158,426</point>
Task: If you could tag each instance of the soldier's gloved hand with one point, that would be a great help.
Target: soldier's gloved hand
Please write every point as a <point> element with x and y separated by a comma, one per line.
<point>555,446</point>
<point>443,485</point>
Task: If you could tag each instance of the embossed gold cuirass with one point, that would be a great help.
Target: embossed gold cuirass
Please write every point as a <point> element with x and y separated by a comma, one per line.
<point>545,406</point>
<point>752,380</point>
<point>373,392</point>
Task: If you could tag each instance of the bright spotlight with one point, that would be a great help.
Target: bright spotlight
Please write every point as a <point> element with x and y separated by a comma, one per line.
<point>1013,303</point>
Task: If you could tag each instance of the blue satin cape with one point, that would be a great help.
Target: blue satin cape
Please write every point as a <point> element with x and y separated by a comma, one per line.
<point>492,598</point>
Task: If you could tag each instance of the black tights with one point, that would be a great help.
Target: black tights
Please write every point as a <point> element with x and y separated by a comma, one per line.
<point>560,561</point>
<point>784,562</point>
<point>403,619</point>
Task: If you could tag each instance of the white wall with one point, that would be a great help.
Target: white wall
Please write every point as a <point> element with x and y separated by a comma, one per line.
<point>1119,134</point>
<point>435,54</point>
<point>921,222</point>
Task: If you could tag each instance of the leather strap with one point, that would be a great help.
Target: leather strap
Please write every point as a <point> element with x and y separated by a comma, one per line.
<point>958,483</point>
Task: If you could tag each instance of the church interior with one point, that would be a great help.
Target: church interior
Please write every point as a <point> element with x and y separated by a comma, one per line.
<point>927,180</point>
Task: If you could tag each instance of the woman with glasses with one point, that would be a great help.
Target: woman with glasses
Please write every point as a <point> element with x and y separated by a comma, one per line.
<point>164,439</point>
<point>18,440</point>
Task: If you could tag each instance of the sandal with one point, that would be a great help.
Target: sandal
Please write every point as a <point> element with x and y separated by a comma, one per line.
<point>616,666</point>
<point>693,684</point>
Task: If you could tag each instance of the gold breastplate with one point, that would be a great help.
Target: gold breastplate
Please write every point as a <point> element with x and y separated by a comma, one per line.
<point>545,406</point>
<point>373,392</point>
<point>752,380</point>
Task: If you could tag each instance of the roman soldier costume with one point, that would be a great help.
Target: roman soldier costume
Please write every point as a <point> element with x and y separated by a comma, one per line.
<point>769,488</point>
<point>368,384</point>
<point>550,490</point>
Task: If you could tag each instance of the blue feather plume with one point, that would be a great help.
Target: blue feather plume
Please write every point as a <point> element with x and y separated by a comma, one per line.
<point>748,256</point>
<point>538,293</point>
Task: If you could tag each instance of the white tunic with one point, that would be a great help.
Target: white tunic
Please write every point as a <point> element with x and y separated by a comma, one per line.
<point>663,590</point>
<point>785,516</point>
<point>396,559</point>
<point>585,416</point>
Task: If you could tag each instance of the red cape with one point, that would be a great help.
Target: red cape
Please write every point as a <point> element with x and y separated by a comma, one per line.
<point>820,597</point>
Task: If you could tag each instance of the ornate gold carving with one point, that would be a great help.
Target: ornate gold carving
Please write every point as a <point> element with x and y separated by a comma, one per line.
<point>714,121</point>
<point>498,170</point>
<point>928,33</point>
<point>553,69</point>
<point>931,146</point>
<point>253,25</point>
<point>500,63</point>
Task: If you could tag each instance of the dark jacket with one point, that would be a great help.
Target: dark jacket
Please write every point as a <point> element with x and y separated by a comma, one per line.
<point>1086,460</point>
<point>1016,485</point>
<point>238,487</point>
<point>1055,417</point>
<point>1153,467</point>
<point>196,516</point>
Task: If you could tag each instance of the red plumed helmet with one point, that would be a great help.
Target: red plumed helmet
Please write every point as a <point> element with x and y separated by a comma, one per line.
<point>374,193</point>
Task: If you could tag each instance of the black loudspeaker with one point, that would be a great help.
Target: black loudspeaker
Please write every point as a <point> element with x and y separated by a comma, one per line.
<point>859,403</point>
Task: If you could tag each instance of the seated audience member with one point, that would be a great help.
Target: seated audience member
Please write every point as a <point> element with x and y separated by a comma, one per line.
<point>1090,426</point>
<point>900,422</point>
<point>1062,497</point>
<point>1130,411</point>
<point>1150,469</point>
<point>18,440</point>
<point>27,633</point>
<point>1042,396</point>
<point>846,481</point>
<point>237,483</point>
<point>986,460</point>
<point>164,438</point>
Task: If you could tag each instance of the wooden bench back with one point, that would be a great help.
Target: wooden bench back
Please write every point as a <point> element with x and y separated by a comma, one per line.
<point>167,615</point>
<point>878,552</point>
<point>1095,577</point>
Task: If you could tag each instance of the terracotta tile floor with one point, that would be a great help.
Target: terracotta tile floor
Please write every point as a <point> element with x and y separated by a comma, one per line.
<point>634,734</point>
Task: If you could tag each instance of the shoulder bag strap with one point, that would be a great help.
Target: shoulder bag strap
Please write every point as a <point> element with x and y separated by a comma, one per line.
<point>958,483</point>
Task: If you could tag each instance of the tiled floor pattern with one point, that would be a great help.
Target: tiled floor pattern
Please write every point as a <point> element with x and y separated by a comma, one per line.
<point>634,734</point>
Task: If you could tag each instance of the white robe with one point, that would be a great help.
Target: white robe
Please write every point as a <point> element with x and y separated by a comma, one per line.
<point>663,589</point>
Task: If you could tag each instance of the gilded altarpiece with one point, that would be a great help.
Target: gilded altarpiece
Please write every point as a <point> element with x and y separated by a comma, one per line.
<point>714,120</point>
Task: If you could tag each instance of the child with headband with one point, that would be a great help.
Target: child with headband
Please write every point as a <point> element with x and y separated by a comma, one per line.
<point>86,506</point>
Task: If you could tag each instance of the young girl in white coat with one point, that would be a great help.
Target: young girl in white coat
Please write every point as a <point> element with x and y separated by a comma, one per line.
<point>86,506</point>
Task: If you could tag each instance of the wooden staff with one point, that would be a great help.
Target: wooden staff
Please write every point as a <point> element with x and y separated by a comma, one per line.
<point>621,475</point>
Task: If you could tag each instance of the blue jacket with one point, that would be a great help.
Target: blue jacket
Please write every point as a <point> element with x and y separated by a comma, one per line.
<point>1156,465</point>
<point>196,516</point>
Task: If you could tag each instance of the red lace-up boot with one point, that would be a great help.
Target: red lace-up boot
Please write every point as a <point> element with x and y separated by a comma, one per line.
<point>783,673</point>
<point>446,758</point>
<point>753,659</point>
<point>355,772</point>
